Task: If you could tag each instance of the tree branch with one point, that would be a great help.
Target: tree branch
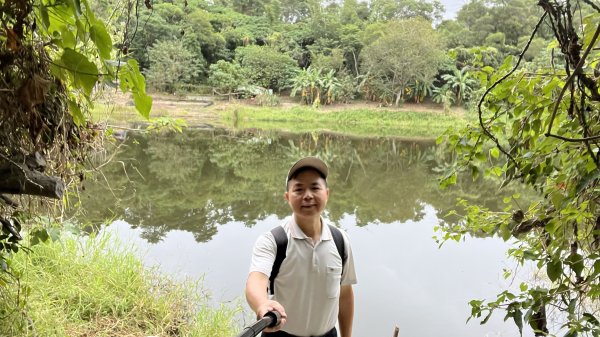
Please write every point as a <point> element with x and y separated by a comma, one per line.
<point>487,92</point>
<point>573,74</point>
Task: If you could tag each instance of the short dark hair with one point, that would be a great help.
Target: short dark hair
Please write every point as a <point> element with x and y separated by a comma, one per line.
<point>304,169</point>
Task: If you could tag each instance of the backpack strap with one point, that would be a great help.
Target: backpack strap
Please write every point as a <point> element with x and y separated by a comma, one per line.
<point>281,240</point>
<point>339,244</point>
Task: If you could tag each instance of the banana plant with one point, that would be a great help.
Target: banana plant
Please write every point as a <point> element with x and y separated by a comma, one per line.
<point>461,83</point>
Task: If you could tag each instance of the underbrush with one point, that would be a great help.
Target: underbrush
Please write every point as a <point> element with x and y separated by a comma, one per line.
<point>93,287</point>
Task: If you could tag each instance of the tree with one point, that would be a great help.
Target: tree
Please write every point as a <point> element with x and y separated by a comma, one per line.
<point>397,58</point>
<point>200,37</point>
<point>541,129</point>
<point>162,23</point>
<point>226,76</point>
<point>266,67</point>
<point>171,66</point>
<point>53,56</point>
<point>481,18</point>
<point>384,10</point>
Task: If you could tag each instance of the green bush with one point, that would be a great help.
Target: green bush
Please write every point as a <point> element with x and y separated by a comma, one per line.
<point>266,67</point>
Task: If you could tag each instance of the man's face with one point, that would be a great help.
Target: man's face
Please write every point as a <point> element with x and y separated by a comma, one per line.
<point>307,194</point>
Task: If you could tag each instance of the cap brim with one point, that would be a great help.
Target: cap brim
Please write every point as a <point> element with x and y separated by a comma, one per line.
<point>312,162</point>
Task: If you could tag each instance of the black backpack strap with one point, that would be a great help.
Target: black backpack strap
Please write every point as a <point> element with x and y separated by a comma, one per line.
<point>281,240</point>
<point>339,244</point>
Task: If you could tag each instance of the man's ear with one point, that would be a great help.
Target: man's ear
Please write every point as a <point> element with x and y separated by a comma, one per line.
<point>286,196</point>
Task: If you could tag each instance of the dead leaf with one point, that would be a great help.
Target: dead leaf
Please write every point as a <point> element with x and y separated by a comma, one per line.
<point>12,42</point>
<point>33,90</point>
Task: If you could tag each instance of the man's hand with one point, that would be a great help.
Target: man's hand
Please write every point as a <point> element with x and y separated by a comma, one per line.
<point>270,305</point>
<point>256,295</point>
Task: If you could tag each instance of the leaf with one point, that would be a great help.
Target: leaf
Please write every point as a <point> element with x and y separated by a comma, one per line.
<point>38,236</point>
<point>75,6</point>
<point>44,15</point>
<point>575,261</point>
<point>518,318</point>
<point>101,39</point>
<point>554,269</point>
<point>143,103</point>
<point>494,152</point>
<point>448,180</point>
<point>591,318</point>
<point>583,183</point>
<point>523,286</point>
<point>78,117</point>
<point>83,72</point>
<point>132,80</point>
<point>68,39</point>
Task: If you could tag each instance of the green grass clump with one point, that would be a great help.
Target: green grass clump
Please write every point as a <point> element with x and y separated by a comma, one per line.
<point>94,287</point>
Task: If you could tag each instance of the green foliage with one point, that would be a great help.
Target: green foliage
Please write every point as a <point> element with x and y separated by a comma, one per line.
<point>352,121</point>
<point>315,86</point>
<point>268,100</point>
<point>97,286</point>
<point>461,82</point>
<point>132,80</point>
<point>384,10</point>
<point>201,38</point>
<point>226,76</point>
<point>54,56</point>
<point>443,95</point>
<point>541,129</point>
<point>419,90</point>
<point>397,59</point>
<point>164,22</point>
<point>513,19</point>
<point>266,67</point>
<point>332,61</point>
<point>171,65</point>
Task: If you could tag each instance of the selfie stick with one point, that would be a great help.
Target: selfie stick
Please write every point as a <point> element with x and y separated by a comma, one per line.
<point>270,319</point>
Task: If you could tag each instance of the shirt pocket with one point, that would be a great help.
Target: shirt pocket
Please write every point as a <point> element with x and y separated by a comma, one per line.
<point>334,277</point>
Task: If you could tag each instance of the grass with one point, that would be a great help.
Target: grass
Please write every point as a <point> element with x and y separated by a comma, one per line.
<point>365,121</point>
<point>360,122</point>
<point>93,287</point>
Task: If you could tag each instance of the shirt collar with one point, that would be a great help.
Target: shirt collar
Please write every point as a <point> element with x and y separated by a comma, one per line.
<point>297,232</point>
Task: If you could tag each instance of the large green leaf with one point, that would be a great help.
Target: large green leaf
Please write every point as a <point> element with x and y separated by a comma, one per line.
<point>131,79</point>
<point>554,269</point>
<point>101,38</point>
<point>83,72</point>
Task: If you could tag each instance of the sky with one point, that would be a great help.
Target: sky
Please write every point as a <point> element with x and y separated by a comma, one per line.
<point>452,6</point>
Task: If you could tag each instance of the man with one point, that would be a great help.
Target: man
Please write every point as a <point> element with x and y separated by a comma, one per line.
<point>313,288</point>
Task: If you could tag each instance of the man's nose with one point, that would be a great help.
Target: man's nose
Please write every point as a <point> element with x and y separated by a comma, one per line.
<point>307,195</point>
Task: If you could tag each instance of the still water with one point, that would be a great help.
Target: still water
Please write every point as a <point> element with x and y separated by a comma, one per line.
<point>195,203</point>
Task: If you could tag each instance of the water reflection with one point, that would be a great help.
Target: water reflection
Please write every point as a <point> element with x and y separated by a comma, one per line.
<point>196,202</point>
<point>197,180</point>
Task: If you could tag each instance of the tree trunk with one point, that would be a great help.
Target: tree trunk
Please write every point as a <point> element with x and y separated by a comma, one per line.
<point>355,63</point>
<point>399,96</point>
<point>20,179</point>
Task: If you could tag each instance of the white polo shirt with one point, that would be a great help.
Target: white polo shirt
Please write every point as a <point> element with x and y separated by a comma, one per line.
<point>308,283</point>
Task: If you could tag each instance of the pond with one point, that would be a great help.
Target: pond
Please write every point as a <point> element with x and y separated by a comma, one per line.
<point>196,201</point>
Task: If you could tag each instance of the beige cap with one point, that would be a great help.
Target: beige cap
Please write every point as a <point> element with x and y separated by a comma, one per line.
<point>312,162</point>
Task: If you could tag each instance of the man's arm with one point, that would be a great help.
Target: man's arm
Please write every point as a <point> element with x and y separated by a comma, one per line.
<point>346,313</point>
<point>258,299</point>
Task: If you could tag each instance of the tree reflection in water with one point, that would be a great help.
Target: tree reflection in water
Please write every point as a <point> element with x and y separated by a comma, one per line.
<point>197,180</point>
